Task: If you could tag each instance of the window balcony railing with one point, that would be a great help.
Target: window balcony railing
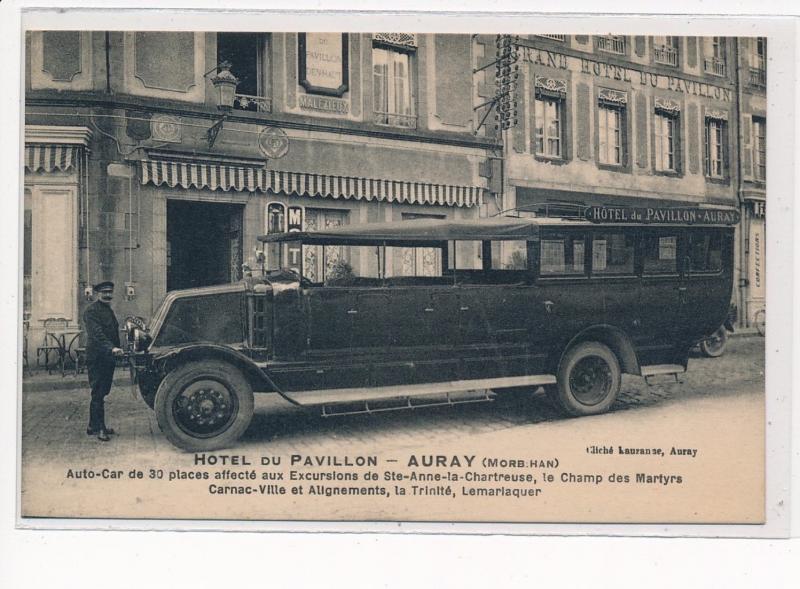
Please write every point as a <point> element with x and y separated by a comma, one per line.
<point>252,103</point>
<point>561,38</point>
<point>395,120</point>
<point>611,44</point>
<point>758,76</point>
<point>666,55</point>
<point>715,66</point>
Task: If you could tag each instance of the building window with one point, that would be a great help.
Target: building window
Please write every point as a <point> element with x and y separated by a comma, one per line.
<point>665,50</point>
<point>666,141</point>
<point>321,261</point>
<point>612,44</point>
<point>418,261</point>
<point>247,54</point>
<point>758,61</point>
<point>716,61</point>
<point>760,148</point>
<point>392,87</point>
<point>548,125</point>
<point>715,153</point>
<point>610,135</point>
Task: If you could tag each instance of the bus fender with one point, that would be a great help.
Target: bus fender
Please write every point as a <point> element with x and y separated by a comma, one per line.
<point>201,351</point>
<point>613,337</point>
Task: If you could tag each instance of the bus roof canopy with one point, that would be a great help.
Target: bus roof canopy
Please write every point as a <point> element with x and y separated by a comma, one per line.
<point>439,231</point>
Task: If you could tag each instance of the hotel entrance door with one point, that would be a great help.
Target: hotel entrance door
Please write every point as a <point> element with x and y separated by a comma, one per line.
<point>204,243</point>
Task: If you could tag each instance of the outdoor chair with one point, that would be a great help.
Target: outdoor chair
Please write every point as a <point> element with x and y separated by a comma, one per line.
<point>51,345</point>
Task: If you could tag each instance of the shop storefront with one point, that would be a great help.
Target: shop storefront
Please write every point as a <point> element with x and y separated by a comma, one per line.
<point>754,284</point>
<point>55,166</point>
<point>206,218</point>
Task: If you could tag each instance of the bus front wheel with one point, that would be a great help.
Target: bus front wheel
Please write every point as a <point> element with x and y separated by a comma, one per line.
<point>589,379</point>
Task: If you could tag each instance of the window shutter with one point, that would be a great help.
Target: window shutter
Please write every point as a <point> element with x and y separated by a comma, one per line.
<point>726,159</point>
<point>707,143</point>
<point>638,43</point>
<point>641,130</point>
<point>693,129</point>
<point>691,51</point>
<point>747,147</point>
<point>583,114</point>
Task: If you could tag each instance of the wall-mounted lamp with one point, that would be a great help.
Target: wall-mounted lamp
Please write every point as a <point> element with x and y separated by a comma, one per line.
<point>224,86</point>
<point>225,93</point>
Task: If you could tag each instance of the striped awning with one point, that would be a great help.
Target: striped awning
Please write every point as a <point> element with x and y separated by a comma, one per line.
<point>227,177</point>
<point>50,157</point>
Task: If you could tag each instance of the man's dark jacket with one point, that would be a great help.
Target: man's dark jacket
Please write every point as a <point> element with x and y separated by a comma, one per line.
<point>102,333</point>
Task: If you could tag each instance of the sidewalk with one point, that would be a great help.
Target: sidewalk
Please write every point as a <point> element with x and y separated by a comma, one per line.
<point>40,381</point>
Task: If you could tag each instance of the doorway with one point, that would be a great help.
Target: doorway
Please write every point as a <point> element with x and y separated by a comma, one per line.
<point>204,243</point>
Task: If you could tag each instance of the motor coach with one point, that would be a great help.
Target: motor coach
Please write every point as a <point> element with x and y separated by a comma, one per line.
<point>372,317</point>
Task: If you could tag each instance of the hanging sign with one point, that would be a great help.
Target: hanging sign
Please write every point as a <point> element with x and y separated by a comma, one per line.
<point>323,63</point>
<point>294,219</point>
<point>662,215</point>
<point>756,266</point>
<point>276,218</point>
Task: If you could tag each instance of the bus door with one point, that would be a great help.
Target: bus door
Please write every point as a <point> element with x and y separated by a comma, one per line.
<point>614,284</point>
<point>564,301</point>
<point>663,289</point>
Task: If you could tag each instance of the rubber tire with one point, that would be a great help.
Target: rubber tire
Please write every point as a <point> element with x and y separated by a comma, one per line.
<point>566,400</point>
<point>176,380</point>
<point>710,352</point>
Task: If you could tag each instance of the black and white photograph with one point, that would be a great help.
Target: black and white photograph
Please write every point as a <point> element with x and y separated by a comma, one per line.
<point>393,276</point>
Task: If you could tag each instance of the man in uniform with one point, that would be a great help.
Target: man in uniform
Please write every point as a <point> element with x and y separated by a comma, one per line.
<point>102,348</point>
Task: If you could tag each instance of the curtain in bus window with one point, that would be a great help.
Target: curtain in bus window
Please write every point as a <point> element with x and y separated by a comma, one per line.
<point>562,254</point>
<point>612,253</point>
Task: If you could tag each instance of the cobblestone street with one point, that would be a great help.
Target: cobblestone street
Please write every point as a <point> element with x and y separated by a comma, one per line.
<point>54,421</point>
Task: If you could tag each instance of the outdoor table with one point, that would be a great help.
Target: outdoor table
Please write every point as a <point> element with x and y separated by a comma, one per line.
<point>64,339</point>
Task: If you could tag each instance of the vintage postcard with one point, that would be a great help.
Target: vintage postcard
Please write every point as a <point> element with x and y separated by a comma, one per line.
<point>291,275</point>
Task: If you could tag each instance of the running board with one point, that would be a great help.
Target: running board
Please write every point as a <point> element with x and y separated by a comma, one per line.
<point>405,403</point>
<point>352,395</point>
<point>662,369</point>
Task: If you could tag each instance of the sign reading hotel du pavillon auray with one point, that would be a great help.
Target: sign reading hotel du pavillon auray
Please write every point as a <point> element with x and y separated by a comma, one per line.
<point>667,215</point>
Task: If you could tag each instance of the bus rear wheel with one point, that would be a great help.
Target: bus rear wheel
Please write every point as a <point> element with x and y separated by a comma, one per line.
<point>589,379</point>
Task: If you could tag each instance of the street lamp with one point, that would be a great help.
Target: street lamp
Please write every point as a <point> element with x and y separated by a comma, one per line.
<point>225,86</point>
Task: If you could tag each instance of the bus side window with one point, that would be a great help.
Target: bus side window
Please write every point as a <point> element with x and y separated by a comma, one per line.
<point>660,253</point>
<point>705,250</point>
<point>562,254</point>
<point>612,253</point>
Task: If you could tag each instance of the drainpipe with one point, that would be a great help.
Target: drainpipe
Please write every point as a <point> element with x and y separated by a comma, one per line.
<point>108,62</point>
<point>743,224</point>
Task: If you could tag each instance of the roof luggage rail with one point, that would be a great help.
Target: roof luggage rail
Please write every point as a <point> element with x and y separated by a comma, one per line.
<point>552,209</point>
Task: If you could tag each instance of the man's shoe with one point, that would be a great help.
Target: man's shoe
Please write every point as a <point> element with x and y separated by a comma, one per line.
<point>91,432</point>
<point>103,436</point>
<point>109,431</point>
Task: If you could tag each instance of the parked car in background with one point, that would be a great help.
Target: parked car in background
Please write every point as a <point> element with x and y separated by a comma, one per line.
<point>714,345</point>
